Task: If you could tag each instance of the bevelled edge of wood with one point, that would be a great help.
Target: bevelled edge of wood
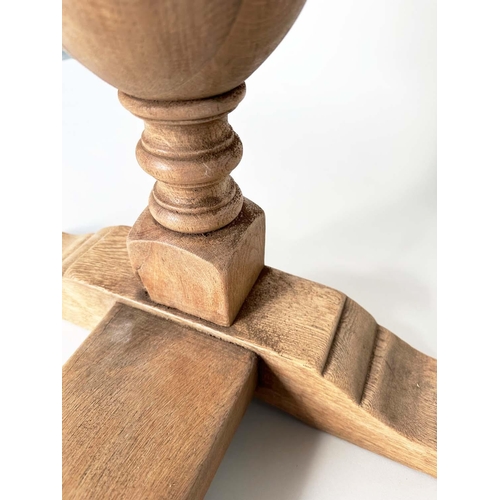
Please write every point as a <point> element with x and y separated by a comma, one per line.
<point>75,245</point>
<point>81,305</point>
<point>149,408</point>
<point>324,359</point>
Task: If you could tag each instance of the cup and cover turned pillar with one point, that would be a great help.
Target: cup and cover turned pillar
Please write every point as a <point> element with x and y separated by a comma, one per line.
<point>181,66</point>
<point>199,246</point>
<point>190,148</point>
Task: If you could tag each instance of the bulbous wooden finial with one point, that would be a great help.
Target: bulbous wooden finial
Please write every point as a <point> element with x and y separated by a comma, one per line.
<point>190,149</point>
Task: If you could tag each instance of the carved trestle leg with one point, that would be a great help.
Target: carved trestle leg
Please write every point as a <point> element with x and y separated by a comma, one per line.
<point>322,358</point>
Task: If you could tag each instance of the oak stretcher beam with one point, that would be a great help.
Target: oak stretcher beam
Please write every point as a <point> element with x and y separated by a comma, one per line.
<point>149,408</point>
<point>322,358</point>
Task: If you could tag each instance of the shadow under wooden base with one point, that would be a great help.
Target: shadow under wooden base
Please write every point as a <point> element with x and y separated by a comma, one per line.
<point>322,358</point>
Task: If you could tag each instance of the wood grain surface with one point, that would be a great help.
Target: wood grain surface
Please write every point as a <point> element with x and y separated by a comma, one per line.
<point>323,358</point>
<point>175,50</point>
<point>149,408</point>
<point>190,149</point>
<point>207,275</point>
<point>181,67</point>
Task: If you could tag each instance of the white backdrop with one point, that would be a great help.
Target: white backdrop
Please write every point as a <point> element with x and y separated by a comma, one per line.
<point>339,135</point>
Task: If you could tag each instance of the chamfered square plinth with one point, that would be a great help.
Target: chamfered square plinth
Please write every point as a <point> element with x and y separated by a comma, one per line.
<point>207,275</point>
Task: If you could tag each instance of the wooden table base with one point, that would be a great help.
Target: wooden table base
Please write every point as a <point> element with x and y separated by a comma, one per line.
<point>321,358</point>
<point>150,407</point>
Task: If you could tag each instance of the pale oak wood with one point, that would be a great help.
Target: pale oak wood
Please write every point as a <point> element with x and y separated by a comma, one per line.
<point>323,358</point>
<point>149,408</point>
<point>207,275</point>
<point>181,67</point>
<point>175,49</point>
<point>190,149</point>
<point>197,219</point>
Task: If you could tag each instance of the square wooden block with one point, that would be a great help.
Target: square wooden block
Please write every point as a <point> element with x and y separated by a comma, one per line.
<point>207,275</point>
